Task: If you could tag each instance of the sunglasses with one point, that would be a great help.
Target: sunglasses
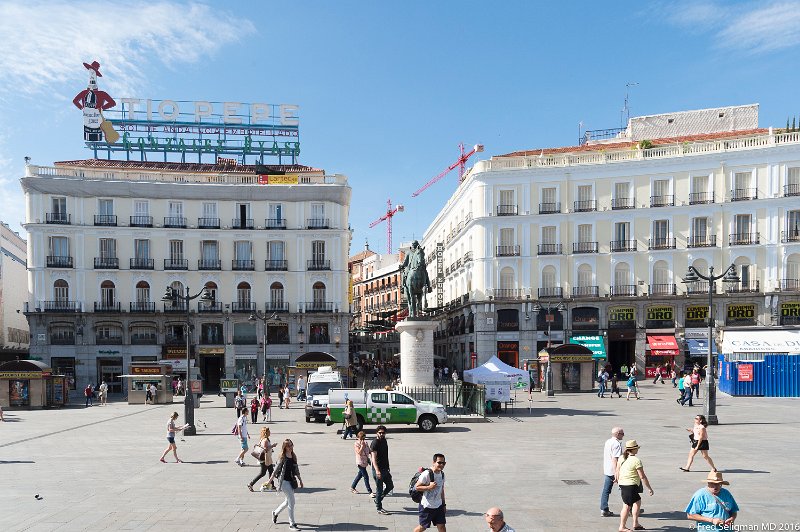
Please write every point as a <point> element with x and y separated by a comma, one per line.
<point>441,463</point>
<point>381,433</point>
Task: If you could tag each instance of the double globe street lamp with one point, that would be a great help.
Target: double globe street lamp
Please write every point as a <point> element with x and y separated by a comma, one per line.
<point>264,317</point>
<point>175,297</point>
<point>549,317</point>
<point>728,276</point>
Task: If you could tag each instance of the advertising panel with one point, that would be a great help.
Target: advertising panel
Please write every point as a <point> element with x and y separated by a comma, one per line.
<point>790,313</point>
<point>745,372</point>
<point>741,314</point>
<point>622,318</point>
<point>696,316</point>
<point>660,317</point>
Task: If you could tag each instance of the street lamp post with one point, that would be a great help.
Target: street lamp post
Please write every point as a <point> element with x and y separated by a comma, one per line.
<point>728,276</point>
<point>174,296</point>
<point>264,317</point>
<point>548,375</point>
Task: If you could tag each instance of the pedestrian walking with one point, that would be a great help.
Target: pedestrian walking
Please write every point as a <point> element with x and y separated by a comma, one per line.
<point>713,507</point>
<point>361,449</point>
<point>153,393</point>
<point>350,420</point>
<point>379,450</point>
<point>615,385</point>
<point>171,430</point>
<point>602,379</point>
<point>254,410</point>
<point>241,431</point>
<point>266,403</point>
<point>287,473</point>
<point>89,393</point>
<point>280,396</point>
<point>103,393</point>
<point>631,477</point>
<point>301,388</point>
<point>432,508</point>
<point>239,404</point>
<point>496,521</point>
<point>264,458</point>
<point>179,388</point>
<point>612,450</point>
<point>658,375</point>
<point>681,390</point>
<point>673,376</point>
<point>687,390</point>
<point>287,396</point>
<point>698,435</point>
<point>696,378</point>
<point>633,387</point>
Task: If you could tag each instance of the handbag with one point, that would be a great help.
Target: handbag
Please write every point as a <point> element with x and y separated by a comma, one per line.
<point>257,453</point>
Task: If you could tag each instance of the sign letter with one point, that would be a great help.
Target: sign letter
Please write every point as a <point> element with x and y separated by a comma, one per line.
<point>229,110</point>
<point>172,115</point>
<point>201,109</point>
<point>288,116</point>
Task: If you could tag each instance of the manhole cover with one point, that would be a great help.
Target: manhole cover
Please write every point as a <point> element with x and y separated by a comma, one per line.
<point>575,482</point>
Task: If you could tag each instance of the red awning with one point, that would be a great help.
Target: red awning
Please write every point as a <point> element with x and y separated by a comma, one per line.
<point>663,345</point>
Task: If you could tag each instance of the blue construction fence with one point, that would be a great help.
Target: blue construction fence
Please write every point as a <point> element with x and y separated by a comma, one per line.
<point>777,375</point>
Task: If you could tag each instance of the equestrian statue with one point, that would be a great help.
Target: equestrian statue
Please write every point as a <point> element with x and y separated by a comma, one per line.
<point>415,280</point>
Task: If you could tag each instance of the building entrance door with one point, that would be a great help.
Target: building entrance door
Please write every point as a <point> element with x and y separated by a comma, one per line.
<point>212,369</point>
<point>621,353</point>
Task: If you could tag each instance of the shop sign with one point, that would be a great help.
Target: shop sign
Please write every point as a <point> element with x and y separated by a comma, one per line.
<point>246,357</point>
<point>696,316</point>
<point>23,375</point>
<point>439,274</point>
<point>570,358</point>
<point>585,318</point>
<point>622,318</point>
<point>174,364</point>
<point>211,350</point>
<point>696,333</point>
<point>555,336</point>
<point>741,314</point>
<point>790,313</point>
<point>229,385</point>
<point>279,356</point>
<point>196,386</point>
<point>745,372</point>
<point>175,351</point>
<point>661,317</point>
<point>508,320</point>
<point>312,365</point>
<point>111,369</point>
<point>507,346</point>
<point>284,179</point>
<point>149,370</point>
<point>595,343</point>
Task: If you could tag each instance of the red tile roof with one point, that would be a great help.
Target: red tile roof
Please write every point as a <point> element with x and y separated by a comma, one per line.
<point>629,143</point>
<point>189,167</point>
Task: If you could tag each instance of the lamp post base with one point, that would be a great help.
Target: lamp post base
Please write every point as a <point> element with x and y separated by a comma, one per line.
<point>712,419</point>
<point>549,382</point>
<point>188,415</point>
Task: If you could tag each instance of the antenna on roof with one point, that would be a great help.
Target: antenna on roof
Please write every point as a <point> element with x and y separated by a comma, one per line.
<point>625,115</point>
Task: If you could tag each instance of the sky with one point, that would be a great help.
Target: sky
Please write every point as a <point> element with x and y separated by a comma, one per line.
<point>387,90</point>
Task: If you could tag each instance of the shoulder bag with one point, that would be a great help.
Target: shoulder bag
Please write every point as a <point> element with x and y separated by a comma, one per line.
<point>258,453</point>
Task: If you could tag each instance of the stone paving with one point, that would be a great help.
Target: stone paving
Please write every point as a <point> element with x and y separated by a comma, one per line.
<point>97,468</point>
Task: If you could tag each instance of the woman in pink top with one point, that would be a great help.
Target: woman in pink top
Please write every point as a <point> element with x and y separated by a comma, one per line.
<point>699,439</point>
<point>362,461</point>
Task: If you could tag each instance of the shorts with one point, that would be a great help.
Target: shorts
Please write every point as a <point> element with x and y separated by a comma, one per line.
<point>171,440</point>
<point>630,494</point>
<point>244,445</point>
<point>702,447</point>
<point>428,516</point>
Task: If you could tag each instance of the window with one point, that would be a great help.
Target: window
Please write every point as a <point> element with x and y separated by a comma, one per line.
<point>742,181</point>
<point>700,229</point>
<point>400,399</point>
<point>276,294</point>
<point>275,249</point>
<point>59,246</point>
<point>211,333</point>
<point>660,231</point>
<point>318,334</point>
<point>506,237</point>
<point>381,397</point>
<point>62,335</point>
<point>243,294</point>
<point>746,274</point>
<point>244,333</point>
<point>108,248</point>
<point>176,209</point>
<point>622,274</point>
<point>209,210</point>
<point>622,231</point>
<point>793,224</point>
<point>318,291</point>
<point>507,279</point>
<point>585,233</point>
<point>209,251</point>
<point>141,249</point>
<point>108,334</point>
<point>243,250</point>
<point>59,205</point>
<point>549,195</point>
<point>585,193</point>
<point>742,223</point>
<point>278,333</point>
<point>660,273</point>
<point>211,287</point>
<point>507,197</point>
<point>699,184</point>
<point>549,235</point>
<point>585,276</point>
<point>318,251</point>
<point>548,277</point>
<point>107,291</point>
<point>621,191</point>
<point>318,211</point>
<point>242,214</point>
<point>142,334</point>
<point>105,207</point>
<point>61,291</point>
<point>661,187</point>
<point>175,250</point>
<point>275,211</point>
<point>142,292</point>
<point>141,208</point>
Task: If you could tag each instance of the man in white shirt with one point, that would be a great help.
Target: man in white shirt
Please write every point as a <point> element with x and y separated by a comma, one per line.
<point>612,450</point>
<point>432,507</point>
<point>154,392</point>
<point>301,388</point>
<point>241,426</point>
<point>103,393</point>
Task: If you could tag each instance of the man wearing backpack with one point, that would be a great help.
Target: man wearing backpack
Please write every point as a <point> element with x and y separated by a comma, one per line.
<point>432,507</point>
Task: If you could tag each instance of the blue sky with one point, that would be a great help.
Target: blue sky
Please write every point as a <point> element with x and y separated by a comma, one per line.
<point>387,90</point>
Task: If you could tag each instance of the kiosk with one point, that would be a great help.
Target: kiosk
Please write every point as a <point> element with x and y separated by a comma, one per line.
<point>145,374</point>
<point>26,384</point>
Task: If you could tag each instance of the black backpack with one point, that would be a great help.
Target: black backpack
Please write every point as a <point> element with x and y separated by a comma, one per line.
<point>416,496</point>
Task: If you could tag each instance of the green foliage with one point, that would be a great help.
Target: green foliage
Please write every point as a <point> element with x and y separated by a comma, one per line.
<point>645,144</point>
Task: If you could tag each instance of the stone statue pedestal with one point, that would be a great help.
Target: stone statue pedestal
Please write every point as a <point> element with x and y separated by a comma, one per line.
<point>416,351</point>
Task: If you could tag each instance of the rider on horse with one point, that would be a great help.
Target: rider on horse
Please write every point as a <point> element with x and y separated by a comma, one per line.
<point>415,278</point>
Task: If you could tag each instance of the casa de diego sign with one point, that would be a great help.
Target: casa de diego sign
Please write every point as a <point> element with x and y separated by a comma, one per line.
<point>175,128</point>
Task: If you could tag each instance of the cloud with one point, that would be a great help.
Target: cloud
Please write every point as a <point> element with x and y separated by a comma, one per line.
<point>44,43</point>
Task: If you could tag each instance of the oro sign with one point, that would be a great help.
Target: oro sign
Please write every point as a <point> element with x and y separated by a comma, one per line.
<point>745,372</point>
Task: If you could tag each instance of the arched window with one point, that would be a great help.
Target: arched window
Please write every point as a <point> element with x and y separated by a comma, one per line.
<point>747,275</point>
<point>507,282</point>
<point>549,277</point>
<point>61,291</point>
<point>107,294</point>
<point>585,277</point>
<point>622,274</point>
<point>661,284</point>
<point>211,286</point>
<point>318,291</point>
<point>142,292</point>
<point>243,295</point>
<point>276,295</point>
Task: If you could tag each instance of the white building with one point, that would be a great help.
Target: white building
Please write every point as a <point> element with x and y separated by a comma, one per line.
<point>14,336</point>
<point>108,237</point>
<point>609,228</point>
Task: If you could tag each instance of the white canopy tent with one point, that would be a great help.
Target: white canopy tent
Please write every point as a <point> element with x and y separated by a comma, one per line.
<point>497,376</point>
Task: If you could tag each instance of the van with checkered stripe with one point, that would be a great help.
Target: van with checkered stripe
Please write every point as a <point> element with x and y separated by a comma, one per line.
<point>384,407</point>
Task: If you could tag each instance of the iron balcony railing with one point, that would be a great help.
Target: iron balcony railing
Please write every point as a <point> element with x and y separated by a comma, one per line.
<point>743,239</point>
<point>506,210</point>
<point>623,245</point>
<point>661,243</point>
<point>317,265</point>
<point>663,289</point>
<point>243,265</point>
<point>467,257</point>
<point>623,290</point>
<point>550,208</point>
<point>142,306</point>
<point>585,291</point>
<point>176,264</point>
<point>662,201</point>
<point>276,306</point>
<point>61,306</point>
<point>208,223</point>
<point>243,306</point>
<point>209,264</point>
<point>58,261</point>
<point>178,306</point>
<point>216,306</point>
<point>552,292</point>
<point>792,189</point>
<point>318,223</point>
<point>623,203</point>
<point>175,222</point>
<point>696,198</point>
<point>62,340</point>
<point>106,263</point>
<point>702,241</point>
<point>790,285</point>
<point>319,306</point>
<point>105,219</point>
<point>744,194</point>
<point>584,205</point>
<point>144,339</point>
<point>141,221</point>
<point>508,293</point>
<point>275,223</point>
<point>790,236</point>
<point>60,218</point>
<point>549,249</point>
<point>742,287</point>
<point>697,287</point>
<point>142,264</point>
<point>271,265</point>
<point>584,247</point>
<point>103,306</point>
<point>508,251</point>
<point>242,223</point>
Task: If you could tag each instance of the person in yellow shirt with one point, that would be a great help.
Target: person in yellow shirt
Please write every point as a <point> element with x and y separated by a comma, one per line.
<point>630,478</point>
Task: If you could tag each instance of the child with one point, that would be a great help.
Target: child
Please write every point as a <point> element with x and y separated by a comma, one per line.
<point>254,410</point>
<point>615,386</point>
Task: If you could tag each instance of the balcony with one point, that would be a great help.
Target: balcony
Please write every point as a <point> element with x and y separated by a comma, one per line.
<point>467,257</point>
<point>743,287</point>
<point>790,236</point>
<point>549,208</point>
<point>508,293</point>
<point>623,290</point>
<point>584,247</point>
<point>178,222</point>
<point>172,339</point>
<point>550,293</point>
<point>508,251</point>
<point>623,203</point>
<point>317,265</point>
<point>108,220</point>
<point>703,241</point>
<point>276,306</point>
<point>243,265</point>
<point>662,201</point>
<point>744,239</point>
<point>59,218</point>
<point>141,221</point>
<point>243,306</point>
<point>276,265</point>
<point>584,205</point>
<point>209,264</point>
<point>319,306</point>
<point>318,223</point>
<point>106,263</point>
<point>57,261</point>
<point>697,288</point>
<point>176,264</point>
<point>699,198</point>
<point>108,340</point>
<point>549,249</point>
<point>790,285</point>
<point>506,210</point>
<point>142,264</point>
<point>174,308</point>
<point>242,223</point>
<point>209,308</point>
<point>744,194</point>
<point>62,306</point>
<point>62,339</point>
<point>661,243</point>
<point>622,245</point>
<point>142,306</point>
<point>585,291</point>
<point>208,223</point>
<point>663,290</point>
<point>144,339</point>
<point>788,190</point>
<point>103,306</point>
<point>275,223</point>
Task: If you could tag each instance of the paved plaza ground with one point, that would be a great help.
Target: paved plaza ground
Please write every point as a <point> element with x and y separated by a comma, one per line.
<point>97,468</point>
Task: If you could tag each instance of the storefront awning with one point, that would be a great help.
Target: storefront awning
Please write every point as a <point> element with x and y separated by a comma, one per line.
<point>594,343</point>
<point>699,346</point>
<point>762,341</point>
<point>662,345</point>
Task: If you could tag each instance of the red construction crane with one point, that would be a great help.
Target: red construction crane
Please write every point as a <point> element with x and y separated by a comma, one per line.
<point>460,163</point>
<point>388,217</point>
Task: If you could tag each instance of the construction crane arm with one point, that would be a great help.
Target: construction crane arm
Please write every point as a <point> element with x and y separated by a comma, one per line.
<point>459,162</point>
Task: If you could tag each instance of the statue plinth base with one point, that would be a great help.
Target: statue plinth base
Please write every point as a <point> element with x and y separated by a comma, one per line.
<point>416,351</point>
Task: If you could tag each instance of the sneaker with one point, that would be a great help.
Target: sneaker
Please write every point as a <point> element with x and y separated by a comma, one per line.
<point>294,527</point>
<point>274,517</point>
<point>607,513</point>
<point>383,512</point>
<point>372,494</point>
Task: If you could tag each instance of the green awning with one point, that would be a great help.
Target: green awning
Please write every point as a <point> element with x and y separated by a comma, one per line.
<point>595,343</point>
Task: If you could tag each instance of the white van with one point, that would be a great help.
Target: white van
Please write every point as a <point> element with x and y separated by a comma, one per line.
<point>319,383</point>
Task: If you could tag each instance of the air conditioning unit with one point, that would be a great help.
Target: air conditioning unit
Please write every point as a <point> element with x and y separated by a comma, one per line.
<point>225,227</point>
<point>159,225</point>
<point>192,227</point>
<point>260,228</point>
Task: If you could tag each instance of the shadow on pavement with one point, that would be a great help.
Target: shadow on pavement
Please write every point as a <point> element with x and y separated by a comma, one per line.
<point>207,462</point>
<point>676,516</point>
<point>313,490</point>
<point>539,412</point>
<point>16,462</point>
<point>726,470</point>
<point>342,526</point>
<point>463,512</point>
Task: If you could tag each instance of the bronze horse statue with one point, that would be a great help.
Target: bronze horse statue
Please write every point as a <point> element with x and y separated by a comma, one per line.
<point>415,280</point>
